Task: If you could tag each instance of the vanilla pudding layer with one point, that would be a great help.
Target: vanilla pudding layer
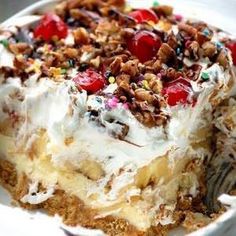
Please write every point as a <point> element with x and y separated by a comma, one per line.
<point>54,142</point>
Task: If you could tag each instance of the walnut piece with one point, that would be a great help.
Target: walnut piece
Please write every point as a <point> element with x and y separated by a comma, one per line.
<point>166,53</point>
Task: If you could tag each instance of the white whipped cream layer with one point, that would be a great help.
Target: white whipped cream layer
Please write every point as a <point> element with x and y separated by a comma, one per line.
<point>63,113</point>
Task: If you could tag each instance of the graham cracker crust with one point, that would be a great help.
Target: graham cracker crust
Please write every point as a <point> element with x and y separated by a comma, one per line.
<point>74,212</point>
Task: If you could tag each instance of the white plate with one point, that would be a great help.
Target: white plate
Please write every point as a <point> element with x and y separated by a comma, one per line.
<point>16,222</point>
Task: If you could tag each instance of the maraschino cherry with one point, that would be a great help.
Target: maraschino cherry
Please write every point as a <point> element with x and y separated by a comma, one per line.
<point>51,25</point>
<point>89,80</point>
<point>232,46</point>
<point>144,45</point>
<point>143,15</point>
<point>178,92</point>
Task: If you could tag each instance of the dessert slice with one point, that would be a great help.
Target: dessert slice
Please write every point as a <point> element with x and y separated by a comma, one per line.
<point>106,115</point>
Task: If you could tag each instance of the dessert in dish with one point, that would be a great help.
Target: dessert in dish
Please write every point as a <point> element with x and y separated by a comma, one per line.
<point>108,116</point>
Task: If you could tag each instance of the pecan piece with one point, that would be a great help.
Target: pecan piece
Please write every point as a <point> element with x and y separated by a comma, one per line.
<point>130,67</point>
<point>209,49</point>
<point>144,95</point>
<point>81,36</point>
<point>166,54</point>
<point>193,50</point>
<point>156,85</point>
<point>116,65</point>
<point>20,48</point>
<point>163,10</point>
<point>172,41</point>
<point>71,53</point>
<point>188,29</point>
<point>122,78</point>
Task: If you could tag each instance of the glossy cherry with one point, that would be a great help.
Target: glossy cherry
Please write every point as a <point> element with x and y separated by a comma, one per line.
<point>144,45</point>
<point>232,46</point>
<point>90,80</point>
<point>178,92</point>
<point>51,25</point>
<point>143,15</point>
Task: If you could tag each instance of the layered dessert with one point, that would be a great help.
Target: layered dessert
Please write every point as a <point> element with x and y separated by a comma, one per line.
<point>111,117</point>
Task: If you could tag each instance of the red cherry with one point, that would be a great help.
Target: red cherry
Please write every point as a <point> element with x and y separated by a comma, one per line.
<point>49,26</point>
<point>89,80</point>
<point>232,46</point>
<point>143,15</point>
<point>178,92</point>
<point>144,45</point>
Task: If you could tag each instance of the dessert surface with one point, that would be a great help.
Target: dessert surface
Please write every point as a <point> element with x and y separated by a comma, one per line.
<point>111,117</point>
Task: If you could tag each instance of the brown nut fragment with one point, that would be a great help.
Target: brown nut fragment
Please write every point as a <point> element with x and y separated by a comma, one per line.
<point>188,29</point>
<point>122,78</point>
<point>117,3</point>
<point>20,48</point>
<point>157,66</point>
<point>209,49</point>
<point>61,8</point>
<point>81,36</point>
<point>144,95</point>
<point>127,33</point>
<point>71,53</point>
<point>73,4</point>
<point>166,53</point>
<point>156,85</point>
<point>163,10</point>
<point>115,66</point>
<point>149,76</point>
<point>124,86</point>
<point>96,61</point>
<point>172,41</point>
<point>20,62</point>
<point>194,50</point>
<point>130,67</point>
<point>223,59</point>
<point>202,38</point>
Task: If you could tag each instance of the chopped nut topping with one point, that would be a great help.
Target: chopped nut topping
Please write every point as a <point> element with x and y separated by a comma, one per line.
<point>104,40</point>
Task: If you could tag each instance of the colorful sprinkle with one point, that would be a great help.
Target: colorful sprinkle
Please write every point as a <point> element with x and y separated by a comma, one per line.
<point>206,32</point>
<point>145,84</point>
<point>205,76</point>
<point>219,45</point>
<point>112,103</point>
<point>178,51</point>
<point>4,42</point>
<point>178,17</point>
<point>63,71</point>
<point>111,80</point>
<point>155,4</point>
